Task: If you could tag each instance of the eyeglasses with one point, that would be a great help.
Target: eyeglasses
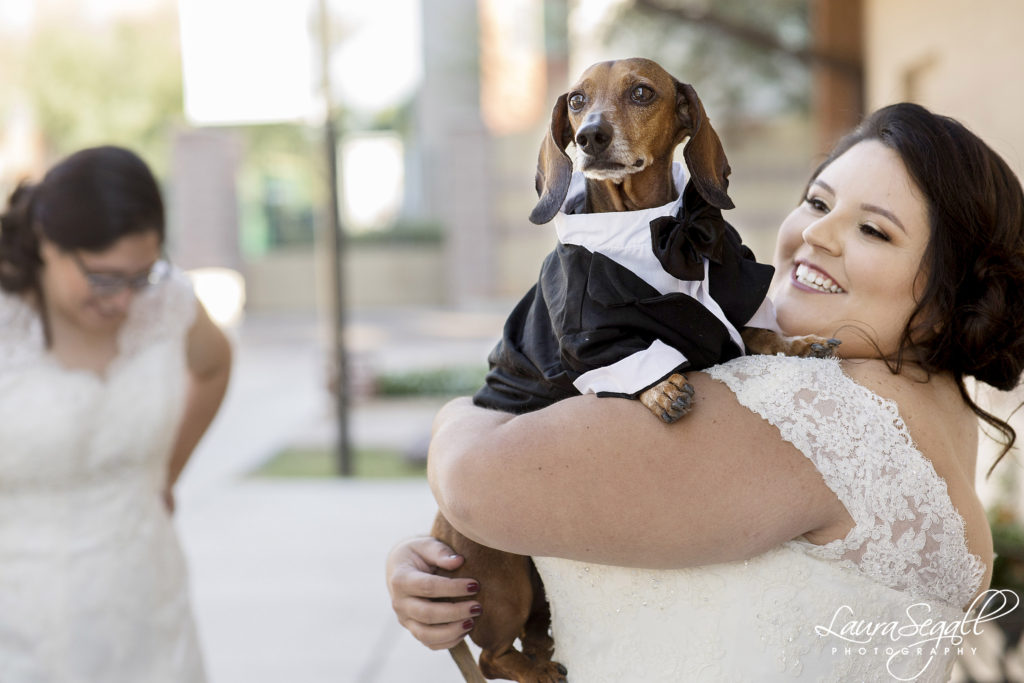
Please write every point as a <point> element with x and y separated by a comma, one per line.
<point>107,284</point>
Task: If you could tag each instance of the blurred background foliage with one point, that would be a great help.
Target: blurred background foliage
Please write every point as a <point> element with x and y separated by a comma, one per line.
<point>121,82</point>
<point>747,49</point>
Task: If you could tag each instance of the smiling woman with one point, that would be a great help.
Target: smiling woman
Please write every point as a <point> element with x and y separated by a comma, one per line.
<point>720,548</point>
<point>934,180</point>
<point>110,372</point>
<point>835,246</point>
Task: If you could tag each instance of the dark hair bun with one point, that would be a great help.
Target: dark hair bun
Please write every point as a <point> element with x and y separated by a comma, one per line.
<point>19,244</point>
<point>989,327</point>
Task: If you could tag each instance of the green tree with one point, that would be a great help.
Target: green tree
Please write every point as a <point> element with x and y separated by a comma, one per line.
<point>119,83</point>
<point>754,52</point>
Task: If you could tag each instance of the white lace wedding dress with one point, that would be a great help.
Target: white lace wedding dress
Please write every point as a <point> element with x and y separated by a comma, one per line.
<point>92,580</point>
<point>801,611</point>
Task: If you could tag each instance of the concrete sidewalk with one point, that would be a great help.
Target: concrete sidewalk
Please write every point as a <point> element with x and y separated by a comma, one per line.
<point>287,575</point>
<point>287,582</point>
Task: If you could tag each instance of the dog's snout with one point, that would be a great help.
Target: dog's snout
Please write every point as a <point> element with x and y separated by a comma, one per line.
<point>594,136</point>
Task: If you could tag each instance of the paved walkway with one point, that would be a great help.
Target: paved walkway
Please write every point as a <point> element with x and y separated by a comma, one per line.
<point>287,575</point>
<point>288,583</point>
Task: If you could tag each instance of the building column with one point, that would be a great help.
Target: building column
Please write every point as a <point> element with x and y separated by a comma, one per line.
<point>203,207</point>
<point>837,27</point>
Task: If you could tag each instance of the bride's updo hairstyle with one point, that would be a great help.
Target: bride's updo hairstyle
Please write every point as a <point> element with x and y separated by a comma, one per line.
<point>87,201</point>
<point>970,318</point>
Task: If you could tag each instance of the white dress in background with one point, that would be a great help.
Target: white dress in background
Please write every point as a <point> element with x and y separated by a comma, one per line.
<point>801,611</point>
<point>92,580</point>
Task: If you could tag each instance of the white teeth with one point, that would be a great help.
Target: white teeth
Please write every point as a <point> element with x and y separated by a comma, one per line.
<point>816,280</point>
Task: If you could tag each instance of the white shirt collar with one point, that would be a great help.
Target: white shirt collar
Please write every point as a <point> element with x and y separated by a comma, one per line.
<point>613,227</point>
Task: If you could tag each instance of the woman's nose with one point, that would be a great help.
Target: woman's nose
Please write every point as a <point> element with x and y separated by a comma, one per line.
<point>823,234</point>
<point>120,301</point>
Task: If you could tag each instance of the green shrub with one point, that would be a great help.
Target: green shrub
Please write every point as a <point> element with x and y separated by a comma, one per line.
<point>448,381</point>
<point>318,462</point>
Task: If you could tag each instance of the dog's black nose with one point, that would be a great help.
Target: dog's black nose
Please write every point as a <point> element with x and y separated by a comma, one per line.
<point>594,136</point>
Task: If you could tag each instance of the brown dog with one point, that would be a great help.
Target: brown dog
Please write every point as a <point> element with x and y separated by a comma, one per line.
<point>626,118</point>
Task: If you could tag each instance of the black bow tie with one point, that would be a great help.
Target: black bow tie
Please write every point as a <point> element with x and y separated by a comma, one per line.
<point>682,243</point>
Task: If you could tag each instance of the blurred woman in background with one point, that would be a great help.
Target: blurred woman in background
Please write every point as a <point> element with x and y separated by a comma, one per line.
<point>110,372</point>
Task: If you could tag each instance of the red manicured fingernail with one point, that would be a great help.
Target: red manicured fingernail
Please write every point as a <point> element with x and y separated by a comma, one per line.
<point>467,624</point>
<point>473,587</point>
<point>476,610</point>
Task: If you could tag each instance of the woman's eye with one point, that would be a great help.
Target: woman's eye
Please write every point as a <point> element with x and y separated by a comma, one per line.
<point>642,94</point>
<point>576,101</point>
<point>872,231</point>
<point>817,204</point>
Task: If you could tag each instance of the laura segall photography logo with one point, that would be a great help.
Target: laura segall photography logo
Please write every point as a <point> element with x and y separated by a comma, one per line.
<point>917,634</point>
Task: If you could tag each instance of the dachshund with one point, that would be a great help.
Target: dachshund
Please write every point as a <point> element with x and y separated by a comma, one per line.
<point>591,311</point>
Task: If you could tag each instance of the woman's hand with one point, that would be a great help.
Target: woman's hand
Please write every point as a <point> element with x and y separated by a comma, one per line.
<point>414,587</point>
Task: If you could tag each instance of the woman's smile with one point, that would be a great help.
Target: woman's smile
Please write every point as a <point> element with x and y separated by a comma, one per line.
<point>814,279</point>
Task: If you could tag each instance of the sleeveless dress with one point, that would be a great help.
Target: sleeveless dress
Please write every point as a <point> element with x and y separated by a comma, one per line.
<point>92,579</point>
<point>885,603</point>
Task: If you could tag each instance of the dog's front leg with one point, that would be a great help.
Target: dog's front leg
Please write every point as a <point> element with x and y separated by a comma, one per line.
<point>766,342</point>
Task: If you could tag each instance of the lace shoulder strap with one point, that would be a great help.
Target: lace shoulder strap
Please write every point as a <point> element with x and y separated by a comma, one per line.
<point>810,407</point>
<point>907,534</point>
<point>164,311</point>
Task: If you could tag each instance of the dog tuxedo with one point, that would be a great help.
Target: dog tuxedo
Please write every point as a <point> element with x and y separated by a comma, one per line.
<point>626,299</point>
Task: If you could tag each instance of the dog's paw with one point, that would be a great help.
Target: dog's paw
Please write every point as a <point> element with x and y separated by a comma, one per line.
<point>553,672</point>
<point>670,399</point>
<point>812,346</point>
<point>548,672</point>
<point>516,666</point>
<point>824,349</point>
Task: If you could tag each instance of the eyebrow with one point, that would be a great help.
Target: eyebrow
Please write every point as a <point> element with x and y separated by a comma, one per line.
<point>868,207</point>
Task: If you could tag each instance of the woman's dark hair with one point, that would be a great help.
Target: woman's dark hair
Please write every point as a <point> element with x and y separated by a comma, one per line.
<point>970,318</point>
<point>87,201</point>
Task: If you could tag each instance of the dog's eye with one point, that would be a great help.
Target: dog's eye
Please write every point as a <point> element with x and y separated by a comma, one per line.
<point>642,94</point>
<point>576,101</point>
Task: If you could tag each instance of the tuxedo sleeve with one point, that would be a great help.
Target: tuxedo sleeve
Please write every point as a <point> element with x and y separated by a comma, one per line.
<point>619,335</point>
<point>526,371</point>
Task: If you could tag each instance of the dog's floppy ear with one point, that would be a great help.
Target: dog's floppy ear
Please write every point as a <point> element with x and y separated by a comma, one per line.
<point>554,168</point>
<point>703,154</point>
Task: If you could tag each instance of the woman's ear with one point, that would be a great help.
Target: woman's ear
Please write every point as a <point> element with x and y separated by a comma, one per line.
<point>554,168</point>
<point>48,250</point>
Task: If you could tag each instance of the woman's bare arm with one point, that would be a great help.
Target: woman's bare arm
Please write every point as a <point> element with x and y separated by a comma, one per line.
<point>603,480</point>
<point>208,355</point>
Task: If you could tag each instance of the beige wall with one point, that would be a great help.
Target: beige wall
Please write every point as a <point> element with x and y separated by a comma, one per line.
<point>962,59</point>
<point>375,275</point>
